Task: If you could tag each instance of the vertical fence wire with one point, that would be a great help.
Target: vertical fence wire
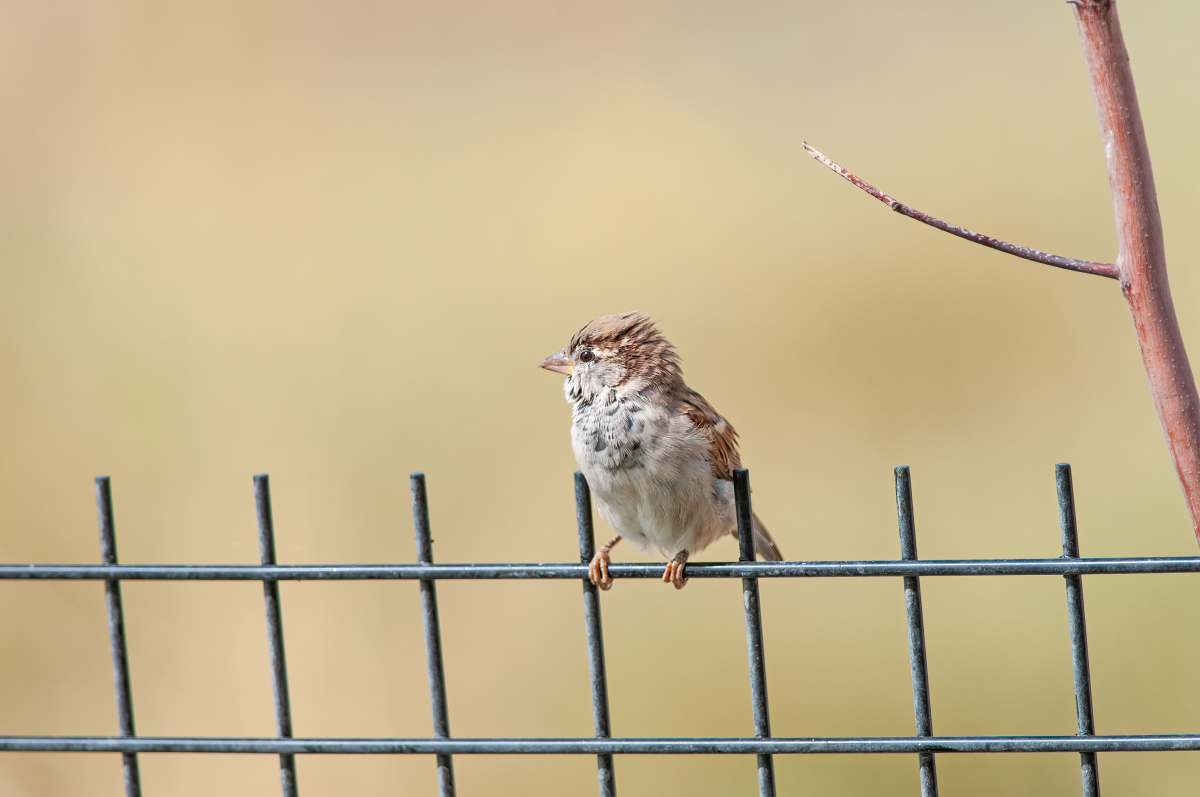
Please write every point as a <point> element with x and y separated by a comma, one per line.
<point>433,635</point>
<point>283,708</point>
<point>1079,647</point>
<point>116,633</point>
<point>754,634</point>
<point>917,660</point>
<point>595,636</point>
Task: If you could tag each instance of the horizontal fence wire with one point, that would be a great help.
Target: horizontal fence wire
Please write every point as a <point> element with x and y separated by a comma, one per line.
<point>591,746</point>
<point>762,745</point>
<point>828,569</point>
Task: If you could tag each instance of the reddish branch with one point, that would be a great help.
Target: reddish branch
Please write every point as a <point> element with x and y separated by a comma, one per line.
<point>1142,260</point>
<point>1141,265</point>
<point>1086,266</point>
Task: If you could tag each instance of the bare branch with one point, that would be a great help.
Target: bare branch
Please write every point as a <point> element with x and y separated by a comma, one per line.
<point>1058,261</point>
<point>1142,256</point>
<point>1141,266</point>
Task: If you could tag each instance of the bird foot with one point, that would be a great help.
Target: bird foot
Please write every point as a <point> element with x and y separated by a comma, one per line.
<point>674,572</point>
<point>598,569</point>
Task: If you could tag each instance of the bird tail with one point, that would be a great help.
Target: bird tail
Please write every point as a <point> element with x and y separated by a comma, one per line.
<point>764,544</point>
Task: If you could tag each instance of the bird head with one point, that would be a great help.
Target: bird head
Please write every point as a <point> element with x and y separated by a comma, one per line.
<point>624,353</point>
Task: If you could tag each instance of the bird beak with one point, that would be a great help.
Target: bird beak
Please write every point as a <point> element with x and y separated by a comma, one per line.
<point>558,363</point>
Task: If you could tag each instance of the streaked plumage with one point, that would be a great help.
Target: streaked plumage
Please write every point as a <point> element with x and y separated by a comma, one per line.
<point>658,458</point>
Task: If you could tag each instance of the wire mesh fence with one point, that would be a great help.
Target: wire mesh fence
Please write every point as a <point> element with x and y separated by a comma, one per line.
<point>443,746</point>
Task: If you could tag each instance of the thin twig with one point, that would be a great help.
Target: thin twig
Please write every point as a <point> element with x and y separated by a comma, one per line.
<point>1058,261</point>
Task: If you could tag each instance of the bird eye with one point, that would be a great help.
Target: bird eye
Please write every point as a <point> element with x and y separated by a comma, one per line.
<point>586,356</point>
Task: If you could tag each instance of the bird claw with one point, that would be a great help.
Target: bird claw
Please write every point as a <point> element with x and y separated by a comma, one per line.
<point>598,570</point>
<point>674,574</point>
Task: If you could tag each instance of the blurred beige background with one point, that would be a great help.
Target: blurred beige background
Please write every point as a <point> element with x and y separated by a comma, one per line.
<point>332,241</point>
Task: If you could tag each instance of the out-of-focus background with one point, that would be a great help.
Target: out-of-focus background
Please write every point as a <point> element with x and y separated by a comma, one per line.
<point>332,241</point>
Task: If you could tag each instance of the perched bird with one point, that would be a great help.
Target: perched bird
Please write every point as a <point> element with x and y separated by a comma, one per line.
<point>658,457</point>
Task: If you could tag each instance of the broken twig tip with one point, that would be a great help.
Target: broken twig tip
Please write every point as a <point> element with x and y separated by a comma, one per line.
<point>863,184</point>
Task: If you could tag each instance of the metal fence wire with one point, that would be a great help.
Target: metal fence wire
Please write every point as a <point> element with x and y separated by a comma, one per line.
<point>923,744</point>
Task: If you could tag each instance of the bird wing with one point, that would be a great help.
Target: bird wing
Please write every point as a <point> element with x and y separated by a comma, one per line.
<point>719,432</point>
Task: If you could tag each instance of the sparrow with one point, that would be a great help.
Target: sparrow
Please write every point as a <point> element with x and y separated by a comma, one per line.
<point>658,458</point>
